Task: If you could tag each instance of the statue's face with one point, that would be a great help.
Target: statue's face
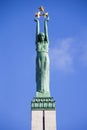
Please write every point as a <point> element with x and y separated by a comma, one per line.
<point>42,36</point>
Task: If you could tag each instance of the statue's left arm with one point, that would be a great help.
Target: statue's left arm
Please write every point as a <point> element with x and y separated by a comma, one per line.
<point>37,28</point>
<point>46,28</point>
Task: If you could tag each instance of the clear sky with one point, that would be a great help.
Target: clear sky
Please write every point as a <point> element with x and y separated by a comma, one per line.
<point>68,57</point>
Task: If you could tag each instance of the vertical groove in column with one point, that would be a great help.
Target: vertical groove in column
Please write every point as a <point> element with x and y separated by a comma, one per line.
<point>43,120</point>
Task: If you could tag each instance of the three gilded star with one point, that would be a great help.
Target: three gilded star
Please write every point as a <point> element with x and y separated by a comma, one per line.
<point>41,12</point>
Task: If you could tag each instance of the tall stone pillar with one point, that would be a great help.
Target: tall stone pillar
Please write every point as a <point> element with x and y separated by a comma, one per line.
<point>43,110</point>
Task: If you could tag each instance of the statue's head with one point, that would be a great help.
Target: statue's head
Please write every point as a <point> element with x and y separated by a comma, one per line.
<point>41,36</point>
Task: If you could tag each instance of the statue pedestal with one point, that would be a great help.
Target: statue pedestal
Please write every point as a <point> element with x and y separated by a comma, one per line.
<point>43,114</point>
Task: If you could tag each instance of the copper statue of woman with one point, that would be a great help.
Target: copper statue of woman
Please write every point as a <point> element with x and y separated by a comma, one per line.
<point>42,59</point>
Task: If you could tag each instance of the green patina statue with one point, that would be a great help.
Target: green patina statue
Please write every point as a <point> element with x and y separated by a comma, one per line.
<point>42,100</point>
<point>42,58</point>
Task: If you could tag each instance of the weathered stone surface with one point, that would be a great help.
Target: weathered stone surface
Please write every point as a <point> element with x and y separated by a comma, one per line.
<point>37,120</point>
<point>43,122</point>
<point>50,120</point>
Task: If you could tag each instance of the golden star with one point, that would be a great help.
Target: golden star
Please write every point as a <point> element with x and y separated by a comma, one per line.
<point>45,14</point>
<point>38,14</point>
<point>41,8</point>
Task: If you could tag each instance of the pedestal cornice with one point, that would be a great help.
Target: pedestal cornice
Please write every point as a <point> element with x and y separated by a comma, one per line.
<point>43,103</point>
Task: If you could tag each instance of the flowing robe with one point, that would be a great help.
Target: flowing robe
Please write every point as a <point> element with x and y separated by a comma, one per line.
<point>42,67</point>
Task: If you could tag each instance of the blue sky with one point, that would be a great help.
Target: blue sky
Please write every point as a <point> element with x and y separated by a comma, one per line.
<point>68,62</point>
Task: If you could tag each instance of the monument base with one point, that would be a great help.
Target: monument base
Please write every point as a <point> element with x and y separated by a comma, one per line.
<point>43,114</point>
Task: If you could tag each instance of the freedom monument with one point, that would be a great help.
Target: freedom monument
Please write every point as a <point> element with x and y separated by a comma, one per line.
<point>43,110</point>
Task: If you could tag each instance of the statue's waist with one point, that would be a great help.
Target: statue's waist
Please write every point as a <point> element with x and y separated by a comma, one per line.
<point>42,51</point>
